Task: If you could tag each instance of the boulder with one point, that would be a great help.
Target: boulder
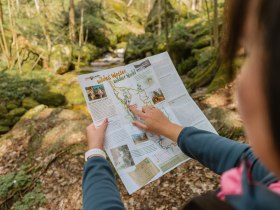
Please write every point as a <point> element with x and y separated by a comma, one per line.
<point>61,59</point>
<point>3,109</point>
<point>13,104</point>
<point>50,99</point>
<point>17,112</point>
<point>29,103</point>
<point>43,128</point>
<point>6,121</point>
<point>47,143</point>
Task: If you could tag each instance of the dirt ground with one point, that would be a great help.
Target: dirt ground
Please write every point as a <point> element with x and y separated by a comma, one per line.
<point>59,172</point>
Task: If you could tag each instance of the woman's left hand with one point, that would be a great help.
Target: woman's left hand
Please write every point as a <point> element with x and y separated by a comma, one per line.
<point>95,136</point>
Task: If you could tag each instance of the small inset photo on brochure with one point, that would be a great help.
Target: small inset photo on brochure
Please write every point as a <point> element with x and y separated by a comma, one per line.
<point>122,157</point>
<point>157,96</point>
<point>96,92</point>
<point>139,138</point>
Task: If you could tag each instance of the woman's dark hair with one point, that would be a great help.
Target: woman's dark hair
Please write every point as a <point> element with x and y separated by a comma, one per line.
<point>268,20</point>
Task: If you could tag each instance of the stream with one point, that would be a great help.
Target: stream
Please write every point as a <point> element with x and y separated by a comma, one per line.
<point>109,60</point>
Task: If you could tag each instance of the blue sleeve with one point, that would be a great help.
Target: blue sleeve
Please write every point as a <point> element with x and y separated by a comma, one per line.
<point>218,153</point>
<point>100,191</point>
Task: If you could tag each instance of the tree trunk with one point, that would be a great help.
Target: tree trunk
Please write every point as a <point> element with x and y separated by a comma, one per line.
<point>193,5</point>
<point>209,21</point>
<point>216,24</point>
<point>129,3</point>
<point>166,24</point>
<point>13,59</point>
<point>149,6</point>
<point>159,17</point>
<point>1,13</point>
<point>81,35</point>
<point>43,23</point>
<point>72,34</point>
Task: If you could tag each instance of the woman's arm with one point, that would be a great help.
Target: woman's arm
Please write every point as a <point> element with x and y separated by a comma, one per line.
<point>218,153</point>
<point>215,152</point>
<point>100,191</point>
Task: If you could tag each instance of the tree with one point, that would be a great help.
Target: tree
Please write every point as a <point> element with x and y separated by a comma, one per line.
<point>43,21</point>
<point>166,25</point>
<point>159,17</point>
<point>1,12</point>
<point>209,20</point>
<point>216,24</point>
<point>81,34</point>
<point>72,34</point>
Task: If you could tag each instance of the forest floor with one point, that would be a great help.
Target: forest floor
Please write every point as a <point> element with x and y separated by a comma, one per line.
<point>46,150</point>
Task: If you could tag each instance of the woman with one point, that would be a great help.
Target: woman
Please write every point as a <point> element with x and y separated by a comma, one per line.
<point>250,174</point>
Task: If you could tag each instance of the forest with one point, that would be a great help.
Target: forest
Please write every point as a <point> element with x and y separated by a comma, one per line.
<point>45,45</point>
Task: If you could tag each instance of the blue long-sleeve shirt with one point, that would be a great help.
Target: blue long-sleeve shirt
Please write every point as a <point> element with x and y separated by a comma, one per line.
<point>217,153</point>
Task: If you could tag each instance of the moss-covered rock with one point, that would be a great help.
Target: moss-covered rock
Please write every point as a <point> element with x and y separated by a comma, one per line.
<point>220,80</point>
<point>202,76</point>
<point>87,53</point>
<point>206,55</point>
<point>187,65</point>
<point>61,59</point>
<point>12,105</point>
<point>202,42</point>
<point>17,112</point>
<point>179,50</point>
<point>138,46</point>
<point>4,129</point>
<point>75,96</point>
<point>51,99</point>
<point>3,109</point>
<point>29,103</point>
<point>7,121</point>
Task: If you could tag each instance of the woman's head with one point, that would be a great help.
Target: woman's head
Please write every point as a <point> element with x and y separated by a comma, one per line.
<point>255,26</point>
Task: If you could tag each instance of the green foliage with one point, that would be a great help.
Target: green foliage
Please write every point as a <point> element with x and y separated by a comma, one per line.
<point>206,56</point>
<point>14,181</point>
<point>204,41</point>
<point>50,99</point>
<point>186,65</point>
<point>31,200</point>
<point>15,87</point>
<point>139,46</point>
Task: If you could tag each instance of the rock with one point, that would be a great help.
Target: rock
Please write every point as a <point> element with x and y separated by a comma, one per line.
<point>3,109</point>
<point>186,65</point>
<point>4,129</point>
<point>75,96</point>
<point>61,59</point>
<point>87,53</point>
<point>17,112</point>
<point>202,42</point>
<point>51,99</point>
<point>13,104</point>
<point>29,103</point>
<point>222,117</point>
<point>52,128</point>
<point>8,121</point>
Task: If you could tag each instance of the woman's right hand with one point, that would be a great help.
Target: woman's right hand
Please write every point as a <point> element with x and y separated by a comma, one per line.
<point>154,121</point>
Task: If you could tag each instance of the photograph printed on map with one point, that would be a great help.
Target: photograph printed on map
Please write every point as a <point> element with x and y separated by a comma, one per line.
<point>122,157</point>
<point>157,96</point>
<point>139,138</point>
<point>96,92</point>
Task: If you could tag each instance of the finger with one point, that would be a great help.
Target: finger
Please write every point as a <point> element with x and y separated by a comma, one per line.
<point>147,108</point>
<point>140,125</point>
<point>91,127</point>
<point>137,112</point>
<point>104,125</point>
